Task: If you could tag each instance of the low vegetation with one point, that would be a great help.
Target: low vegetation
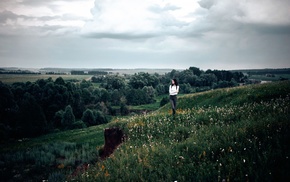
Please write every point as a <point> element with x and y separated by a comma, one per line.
<point>231,134</point>
<point>238,134</point>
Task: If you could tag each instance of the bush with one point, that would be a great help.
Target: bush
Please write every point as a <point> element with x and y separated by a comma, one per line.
<point>164,101</point>
<point>78,125</point>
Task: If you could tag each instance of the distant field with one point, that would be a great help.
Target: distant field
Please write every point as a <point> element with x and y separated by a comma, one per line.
<point>133,71</point>
<point>12,78</point>
<point>265,78</point>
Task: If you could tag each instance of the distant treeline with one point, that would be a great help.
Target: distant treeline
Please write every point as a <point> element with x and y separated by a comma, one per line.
<point>55,73</point>
<point>89,72</point>
<point>266,71</point>
<point>18,72</point>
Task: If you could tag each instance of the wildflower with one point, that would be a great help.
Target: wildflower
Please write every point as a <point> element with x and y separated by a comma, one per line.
<point>181,157</point>
<point>107,173</point>
<point>61,166</point>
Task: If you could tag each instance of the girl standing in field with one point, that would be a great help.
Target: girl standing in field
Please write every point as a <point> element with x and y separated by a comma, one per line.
<point>173,91</point>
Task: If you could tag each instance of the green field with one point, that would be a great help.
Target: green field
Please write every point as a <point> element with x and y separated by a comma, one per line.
<point>265,78</point>
<point>232,134</point>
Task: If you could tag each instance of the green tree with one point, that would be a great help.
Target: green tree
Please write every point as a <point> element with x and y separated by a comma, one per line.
<point>142,79</point>
<point>162,89</point>
<point>7,102</point>
<point>208,79</point>
<point>164,101</point>
<point>150,94</point>
<point>185,88</point>
<point>114,82</point>
<point>174,74</point>
<point>68,117</point>
<point>57,119</point>
<point>87,96</point>
<point>124,109</point>
<point>186,76</point>
<point>78,104</point>
<point>31,119</point>
<point>105,95</point>
<point>136,97</point>
<point>115,97</point>
<point>89,118</point>
<point>59,81</point>
<point>100,117</point>
<point>85,84</point>
<point>195,71</point>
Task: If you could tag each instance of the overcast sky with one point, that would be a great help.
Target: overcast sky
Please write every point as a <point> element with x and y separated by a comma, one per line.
<point>177,34</point>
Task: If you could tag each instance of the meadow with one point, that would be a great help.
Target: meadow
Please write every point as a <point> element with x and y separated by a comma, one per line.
<point>237,134</point>
<point>232,134</point>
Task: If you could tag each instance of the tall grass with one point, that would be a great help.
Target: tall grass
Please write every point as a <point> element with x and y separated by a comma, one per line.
<point>51,156</point>
<point>238,134</point>
<point>38,162</point>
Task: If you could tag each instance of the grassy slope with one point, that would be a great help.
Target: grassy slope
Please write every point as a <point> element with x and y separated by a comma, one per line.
<point>53,155</point>
<point>93,136</point>
<point>227,134</point>
<point>232,134</point>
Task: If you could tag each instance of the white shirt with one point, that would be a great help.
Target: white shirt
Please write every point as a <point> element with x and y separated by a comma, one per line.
<point>173,90</point>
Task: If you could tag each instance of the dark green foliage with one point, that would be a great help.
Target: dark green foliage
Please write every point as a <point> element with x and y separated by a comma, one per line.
<point>162,89</point>
<point>59,81</point>
<point>136,97</point>
<point>100,117</point>
<point>49,97</point>
<point>195,71</point>
<point>68,117</point>
<point>113,82</point>
<point>78,125</point>
<point>89,118</point>
<point>140,80</point>
<point>7,104</point>
<point>30,120</point>
<point>164,101</point>
<point>124,110</point>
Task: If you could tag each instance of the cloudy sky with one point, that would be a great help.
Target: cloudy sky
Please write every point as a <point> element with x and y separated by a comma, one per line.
<point>208,34</point>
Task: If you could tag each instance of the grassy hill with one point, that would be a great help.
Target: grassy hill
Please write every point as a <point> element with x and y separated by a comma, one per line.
<point>236,134</point>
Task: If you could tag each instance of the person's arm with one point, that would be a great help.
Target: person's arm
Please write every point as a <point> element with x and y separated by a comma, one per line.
<point>170,90</point>
<point>173,90</point>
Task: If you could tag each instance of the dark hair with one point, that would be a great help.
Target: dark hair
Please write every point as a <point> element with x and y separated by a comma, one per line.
<point>175,82</point>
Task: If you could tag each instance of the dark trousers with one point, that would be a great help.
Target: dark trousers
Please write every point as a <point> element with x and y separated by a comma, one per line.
<point>173,102</point>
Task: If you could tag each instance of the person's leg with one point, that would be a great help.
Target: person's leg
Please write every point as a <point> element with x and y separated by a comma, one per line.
<point>173,101</point>
<point>174,104</point>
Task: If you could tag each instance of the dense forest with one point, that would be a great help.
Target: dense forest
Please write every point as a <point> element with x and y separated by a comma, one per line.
<point>34,108</point>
